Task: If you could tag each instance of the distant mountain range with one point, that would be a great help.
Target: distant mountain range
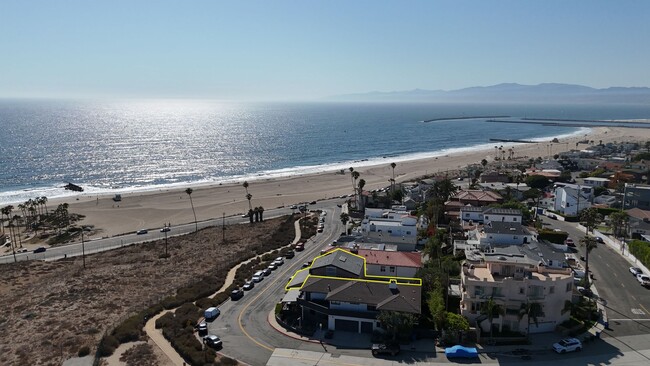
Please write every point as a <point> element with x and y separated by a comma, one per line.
<point>510,92</point>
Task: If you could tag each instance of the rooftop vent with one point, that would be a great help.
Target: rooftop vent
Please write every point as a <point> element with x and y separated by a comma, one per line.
<point>502,258</point>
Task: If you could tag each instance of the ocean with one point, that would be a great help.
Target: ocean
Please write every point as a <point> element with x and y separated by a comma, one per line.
<point>126,146</point>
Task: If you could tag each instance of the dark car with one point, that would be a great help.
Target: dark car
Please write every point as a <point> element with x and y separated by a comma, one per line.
<point>312,202</point>
<point>212,341</point>
<point>165,229</point>
<point>249,285</point>
<point>141,232</point>
<point>290,254</point>
<point>300,247</point>
<point>267,271</point>
<point>39,250</point>
<point>385,349</point>
<point>236,294</point>
<point>202,328</point>
<point>599,239</point>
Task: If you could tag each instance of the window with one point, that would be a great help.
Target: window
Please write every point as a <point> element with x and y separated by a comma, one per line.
<point>521,290</point>
<point>382,269</point>
<point>514,219</point>
<point>487,217</point>
<point>391,269</point>
<point>408,233</point>
<point>390,231</point>
<point>466,215</point>
<point>551,290</point>
<point>335,302</point>
<point>569,286</point>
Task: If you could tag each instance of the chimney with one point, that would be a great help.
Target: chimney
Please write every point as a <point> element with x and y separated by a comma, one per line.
<point>392,285</point>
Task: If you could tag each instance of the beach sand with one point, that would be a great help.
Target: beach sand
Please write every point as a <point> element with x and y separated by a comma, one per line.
<point>153,209</point>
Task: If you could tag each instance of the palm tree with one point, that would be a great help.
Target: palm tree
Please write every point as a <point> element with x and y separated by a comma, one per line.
<point>362,183</point>
<point>344,219</point>
<point>352,177</point>
<point>393,165</point>
<point>261,211</point>
<point>589,243</point>
<point>248,196</point>
<point>492,309</point>
<point>590,218</point>
<point>189,193</point>
<point>44,202</point>
<point>355,176</point>
<point>531,310</point>
<point>484,162</point>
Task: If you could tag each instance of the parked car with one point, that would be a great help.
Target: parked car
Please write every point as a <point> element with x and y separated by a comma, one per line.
<point>202,328</point>
<point>258,276</point>
<point>305,265</point>
<point>165,229</point>
<point>636,271</point>
<point>248,285</point>
<point>570,242</point>
<point>212,341</point>
<point>312,202</point>
<point>290,254</point>
<point>293,207</point>
<point>599,239</point>
<point>568,345</point>
<point>272,266</point>
<point>22,250</point>
<point>643,279</point>
<point>585,291</point>
<point>39,250</point>
<point>267,271</point>
<point>391,348</point>
<point>300,247</point>
<point>236,294</point>
<point>320,229</point>
<point>551,216</point>
<point>461,352</point>
<point>142,231</point>
<point>279,260</point>
<point>211,313</point>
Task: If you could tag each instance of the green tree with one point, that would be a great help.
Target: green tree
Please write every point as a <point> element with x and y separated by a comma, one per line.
<point>393,165</point>
<point>537,181</point>
<point>617,222</point>
<point>491,309</point>
<point>532,311</point>
<point>484,162</point>
<point>248,195</point>
<point>590,219</point>
<point>396,322</point>
<point>189,193</point>
<point>436,305</point>
<point>261,212</point>
<point>455,325</point>
<point>344,219</point>
<point>589,244</point>
<point>355,177</point>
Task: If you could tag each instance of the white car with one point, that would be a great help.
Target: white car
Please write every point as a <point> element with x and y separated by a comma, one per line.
<point>279,261</point>
<point>568,345</point>
<point>636,271</point>
<point>643,279</point>
<point>258,276</point>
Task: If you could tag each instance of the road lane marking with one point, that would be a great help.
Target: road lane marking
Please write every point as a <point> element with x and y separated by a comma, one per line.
<point>629,320</point>
<point>643,307</point>
<point>632,296</point>
<point>637,311</point>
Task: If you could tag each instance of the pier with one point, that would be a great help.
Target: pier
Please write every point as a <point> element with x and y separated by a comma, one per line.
<point>460,118</point>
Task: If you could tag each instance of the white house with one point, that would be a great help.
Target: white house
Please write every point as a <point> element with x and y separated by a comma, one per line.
<point>488,214</point>
<point>571,199</point>
<point>596,182</point>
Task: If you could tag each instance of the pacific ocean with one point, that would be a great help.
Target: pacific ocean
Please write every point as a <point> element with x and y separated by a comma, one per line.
<point>113,146</point>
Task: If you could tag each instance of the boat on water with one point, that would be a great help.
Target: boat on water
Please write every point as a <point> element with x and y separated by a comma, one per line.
<point>73,187</point>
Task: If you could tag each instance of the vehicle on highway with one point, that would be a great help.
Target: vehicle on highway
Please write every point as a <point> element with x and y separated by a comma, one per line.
<point>22,250</point>
<point>202,328</point>
<point>39,250</point>
<point>391,348</point>
<point>636,271</point>
<point>643,279</point>
<point>248,285</point>
<point>461,352</point>
<point>236,294</point>
<point>211,313</point>
<point>570,242</point>
<point>212,341</point>
<point>568,345</point>
<point>290,254</point>
<point>165,229</point>
<point>142,231</point>
<point>305,265</point>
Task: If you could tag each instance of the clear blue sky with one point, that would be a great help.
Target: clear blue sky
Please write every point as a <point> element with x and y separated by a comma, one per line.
<point>310,49</point>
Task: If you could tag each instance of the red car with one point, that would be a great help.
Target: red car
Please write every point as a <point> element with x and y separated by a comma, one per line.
<point>570,242</point>
<point>300,247</point>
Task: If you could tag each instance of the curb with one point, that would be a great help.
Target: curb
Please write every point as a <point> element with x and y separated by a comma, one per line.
<point>287,334</point>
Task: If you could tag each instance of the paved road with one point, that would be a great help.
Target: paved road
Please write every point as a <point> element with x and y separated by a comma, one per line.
<point>95,245</point>
<point>627,302</point>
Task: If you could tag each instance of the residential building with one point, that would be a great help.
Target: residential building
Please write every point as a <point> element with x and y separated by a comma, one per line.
<point>390,227</point>
<point>475,197</point>
<point>639,223</point>
<point>494,176</point>
<point>489,214</point>
<point>495,234</point>
<point>596,182</point>
<point>636,196</point>
<point>513,276</point>
<point>571,199</point>
<point>351,303</point>
<point>387,263</point>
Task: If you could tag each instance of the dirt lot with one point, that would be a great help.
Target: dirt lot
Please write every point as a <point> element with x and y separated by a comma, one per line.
<point>52,309</point>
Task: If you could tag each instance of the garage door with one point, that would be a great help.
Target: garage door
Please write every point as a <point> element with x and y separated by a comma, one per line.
<point>347,325</point>
<point>366,327</point>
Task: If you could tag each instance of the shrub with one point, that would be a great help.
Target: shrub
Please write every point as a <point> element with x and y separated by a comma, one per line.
<point>641,250</point>
<point>164,320</point>
<point>83,351</point>
<point>552,236</point>
<point>130,329</point>
<point>227,361</point>
<point>107,346</point>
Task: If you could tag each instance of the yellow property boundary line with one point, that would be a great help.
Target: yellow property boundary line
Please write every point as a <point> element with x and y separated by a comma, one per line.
<point>406,281</point>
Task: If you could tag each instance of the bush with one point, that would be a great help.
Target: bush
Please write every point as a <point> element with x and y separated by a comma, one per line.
<point>130,329</point>
<point>641,250</point>
<point>552,236</point>
<point>164,320</point>
<point>107,346</point>
<point>83,351</point>
<point>227,361</point>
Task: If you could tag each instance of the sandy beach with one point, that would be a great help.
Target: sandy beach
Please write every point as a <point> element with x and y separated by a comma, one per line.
<point>153,209</point>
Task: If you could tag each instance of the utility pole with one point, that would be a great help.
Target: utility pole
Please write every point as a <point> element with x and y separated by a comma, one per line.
<point>83,247</point>
<point>166,254</point>
<point>223,228</point>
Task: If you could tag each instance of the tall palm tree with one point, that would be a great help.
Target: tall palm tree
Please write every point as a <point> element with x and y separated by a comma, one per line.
<point>352,177</point>
<point>189,193</point>
<point>360,185</point>
<point>393,165</point>
<point>355,176</point>
<point>261,211</point>
<point>248,196</point>
<point>589,243</point>
<point>491,309</point>
<point>532,311</point>
<point>250,208</point>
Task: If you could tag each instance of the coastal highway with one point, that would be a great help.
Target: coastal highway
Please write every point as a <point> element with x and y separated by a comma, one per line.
<point>96,245</point>
<point>627,303</point>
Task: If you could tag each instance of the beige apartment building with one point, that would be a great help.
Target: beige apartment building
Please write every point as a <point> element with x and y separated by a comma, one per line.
<point>515,275</point>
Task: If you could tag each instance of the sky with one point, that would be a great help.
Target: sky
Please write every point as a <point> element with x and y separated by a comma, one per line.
<point>295,50</point>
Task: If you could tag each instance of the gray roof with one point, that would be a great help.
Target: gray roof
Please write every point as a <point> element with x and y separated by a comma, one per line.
<point>340,259</point>
<point>502,211</point>
<point>471,209</point>
<point>298,279</point>
<point>404,298</point>
<point>543,252</point>
<point>513,228</point>
<point>532,253</point>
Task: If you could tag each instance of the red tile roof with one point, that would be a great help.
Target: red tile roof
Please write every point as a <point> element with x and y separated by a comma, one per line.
<point>477,195</point>
<point>398,259</point>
